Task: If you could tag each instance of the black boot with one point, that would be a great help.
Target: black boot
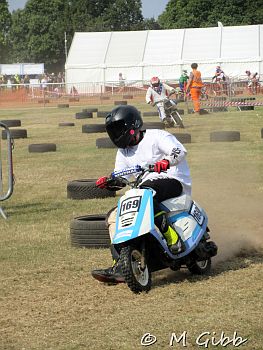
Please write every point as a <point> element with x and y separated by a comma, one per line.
<point>112,274</point>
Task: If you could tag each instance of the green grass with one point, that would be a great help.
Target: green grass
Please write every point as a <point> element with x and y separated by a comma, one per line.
<point>48,299</point>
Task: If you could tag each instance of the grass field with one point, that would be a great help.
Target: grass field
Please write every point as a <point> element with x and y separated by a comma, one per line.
<point>48,299</point>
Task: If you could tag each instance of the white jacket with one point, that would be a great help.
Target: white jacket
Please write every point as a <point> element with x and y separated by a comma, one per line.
<point>163,91</point>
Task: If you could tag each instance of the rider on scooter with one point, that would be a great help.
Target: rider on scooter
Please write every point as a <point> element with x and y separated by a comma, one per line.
<point>171,176</point>
<point>157,91</point>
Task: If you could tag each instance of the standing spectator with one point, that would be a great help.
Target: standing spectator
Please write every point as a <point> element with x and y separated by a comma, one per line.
<point>219,75</point>
<point>252,83</point>
<point>26,81</point>
<point>183,81</point>
<point>44,82</point>
<point>195,85</point>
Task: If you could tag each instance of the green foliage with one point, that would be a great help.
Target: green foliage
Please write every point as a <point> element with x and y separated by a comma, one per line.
<point>37,32</point>
<point>5,23</point>
<point>197,14</point>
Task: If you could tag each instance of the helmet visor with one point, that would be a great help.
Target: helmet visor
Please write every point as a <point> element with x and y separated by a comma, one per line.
<point>116,129</point>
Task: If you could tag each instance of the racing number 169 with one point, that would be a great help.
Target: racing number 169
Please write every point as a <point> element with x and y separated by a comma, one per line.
<point>131,204</point>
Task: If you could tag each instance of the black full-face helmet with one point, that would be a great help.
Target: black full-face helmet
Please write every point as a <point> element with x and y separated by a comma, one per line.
<point>123,125</point>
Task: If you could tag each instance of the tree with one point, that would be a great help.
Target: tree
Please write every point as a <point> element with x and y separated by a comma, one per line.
<point>123,15</point>
<point>5,24</point>
<point>197,13</point>
<point>37,33</point>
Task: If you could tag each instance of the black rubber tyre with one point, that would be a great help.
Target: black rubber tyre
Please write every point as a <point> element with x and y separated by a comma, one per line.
<point>246,108</point>
<point>117,103</point>
<point>150,114</point>
<point>86,189</point>
<point>42,147</point>
<point>102,114</point>
<point>86,128</point>
<point>83,115</point>
<point>63,105</point>
<point>12,122</point>
<point>153,125</point>
<point>66,124</point>
<point>183,138</point>
<point>262,133</point>
<point>200,267</point>
<point>138,280</point>
<point>73,99</point>
<point>15,134</point>
<point>221,136</point>
<point>89,231</point>
<point>91,110</point>
<point>104,142</point>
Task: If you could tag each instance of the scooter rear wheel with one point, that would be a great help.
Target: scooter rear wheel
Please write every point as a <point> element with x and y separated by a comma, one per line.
<point>200,267</point>
<point>137,277</point>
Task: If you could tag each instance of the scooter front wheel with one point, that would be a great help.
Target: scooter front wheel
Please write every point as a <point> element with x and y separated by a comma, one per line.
<point>175,116</point>
<point>135,270</point>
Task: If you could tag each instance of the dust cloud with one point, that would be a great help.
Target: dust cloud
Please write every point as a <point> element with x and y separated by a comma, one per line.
<point>234,212</point>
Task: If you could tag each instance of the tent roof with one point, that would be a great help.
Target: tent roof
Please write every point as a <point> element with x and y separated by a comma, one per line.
<point>165,47</point>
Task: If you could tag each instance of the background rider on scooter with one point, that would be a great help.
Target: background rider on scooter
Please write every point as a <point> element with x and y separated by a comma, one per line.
<point>157,91</point>
<point>171,176</point>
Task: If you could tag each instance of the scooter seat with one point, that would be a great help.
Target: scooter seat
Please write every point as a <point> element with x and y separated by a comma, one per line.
<point>180,203</point>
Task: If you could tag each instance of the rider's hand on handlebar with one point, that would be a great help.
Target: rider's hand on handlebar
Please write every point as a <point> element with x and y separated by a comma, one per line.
<point>102,182</point>
<point>161,165</point>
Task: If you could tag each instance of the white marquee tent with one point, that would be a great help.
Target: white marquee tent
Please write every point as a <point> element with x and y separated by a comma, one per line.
<point>138,55</point>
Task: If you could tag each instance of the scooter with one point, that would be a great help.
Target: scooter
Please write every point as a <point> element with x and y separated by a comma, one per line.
<point>142,247</point>
<point>173,117</point>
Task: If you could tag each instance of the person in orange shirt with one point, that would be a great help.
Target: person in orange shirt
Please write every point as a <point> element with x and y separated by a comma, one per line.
<point>195,85</point>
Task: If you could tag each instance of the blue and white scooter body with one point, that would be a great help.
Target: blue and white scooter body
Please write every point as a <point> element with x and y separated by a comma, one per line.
<point>135,217</point>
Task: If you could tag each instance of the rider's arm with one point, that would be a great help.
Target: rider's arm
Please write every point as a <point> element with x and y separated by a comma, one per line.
<point>149,96</point>
<point>170,89</point>
<point>173,150</point>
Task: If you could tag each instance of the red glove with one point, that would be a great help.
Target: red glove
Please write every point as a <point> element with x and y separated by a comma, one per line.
<point>161,165</point>
<point>102,182</point>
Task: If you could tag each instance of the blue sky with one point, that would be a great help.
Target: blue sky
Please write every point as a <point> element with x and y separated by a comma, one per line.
<point>150,8</point>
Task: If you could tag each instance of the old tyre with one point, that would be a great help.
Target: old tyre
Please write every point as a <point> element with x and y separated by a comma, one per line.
<point>137,278</point>
<point>117,103</point>
<point>90,110</point>
<point>12,122</point>
<point>83,115</point>
<point>104,142</point>
<point>200,267</point>
<point>86,189</point>
<point>102,114</point>
<point>42,147</point>
<point>150,114</point>
<point>89,231</point>
<point>15,134</point>
<point>183,138</point>
<point>93,128</point>
<point>153,125</point>
<point>63,105</point>
<point>66,124</point>
<point>220,136</point>
<point>262,133</point>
